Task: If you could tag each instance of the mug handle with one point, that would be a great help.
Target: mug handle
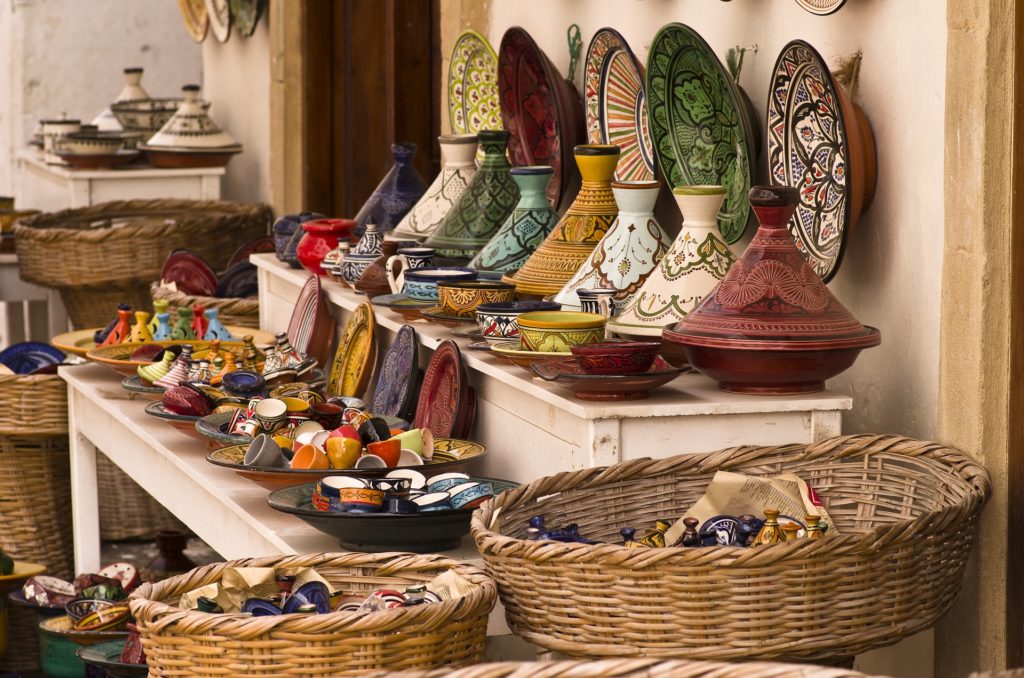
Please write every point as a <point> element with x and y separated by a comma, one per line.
<point>395,281</point>
<point>604,307</point>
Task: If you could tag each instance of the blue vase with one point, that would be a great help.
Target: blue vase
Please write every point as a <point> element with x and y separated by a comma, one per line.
<point>287,235</point>
<point>163,327</point>
<point>214,328</point>
<point>396,194</point>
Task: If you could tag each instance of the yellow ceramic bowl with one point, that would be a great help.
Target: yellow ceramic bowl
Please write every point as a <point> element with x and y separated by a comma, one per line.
<point>461,298</point>
<point>559,331</point>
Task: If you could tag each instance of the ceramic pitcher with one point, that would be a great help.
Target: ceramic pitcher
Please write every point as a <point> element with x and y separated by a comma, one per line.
<point>408,258</point>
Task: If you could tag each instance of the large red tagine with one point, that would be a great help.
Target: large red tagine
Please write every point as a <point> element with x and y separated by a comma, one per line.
<point>771,326</point>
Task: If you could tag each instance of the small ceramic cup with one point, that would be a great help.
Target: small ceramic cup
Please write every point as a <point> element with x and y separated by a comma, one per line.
<point>417,481</point>
<point>421,284</point>
<point>470,495</point>
<point>397,486</point>
<point>445,481</point>
<point>389,450</point>
<point>271,413</point>
<point>308,457</point>
<point>600,300</point>
<point>461,299</point>
<point>409,458</point>
<point>559,331</point>
<point>498,321</point>
<point>360,499</point>
<point>411,440</point>
<point>370,461</point>
<point>433,501</point>
<point>265,452</point>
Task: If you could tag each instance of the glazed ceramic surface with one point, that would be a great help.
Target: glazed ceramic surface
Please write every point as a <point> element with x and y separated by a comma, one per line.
<point>310,327</point>
<point>529,224</point>
<point>353,362</point>
<point>396,193</point>
<point>397,382</point>
<point>697,260</point>
<point>220,19</point>
<point>190,273</point>
<point>559,331</point>
<point>473,85</point>
<point>320,237</point>
<point>30,357</point>
<point>628,252</point>
<point>457,169</point>
<point>570,373</point>
<point>483,207</point>
<point>541,110</point>
<point>245,14</point>
<point>192,129</point>
<point>698,123</point>
<point>820,143</point>
<point>193,14</point>
<point>517,355</point>
<point>613,86</point>
<point>374,280</point>
<point>462,299</point>
<point>577,233</point>
<point>770,303</point>
<point>821,7</point>
<point>499,322</point>
<point>443,393</point>
<point>421,284</point>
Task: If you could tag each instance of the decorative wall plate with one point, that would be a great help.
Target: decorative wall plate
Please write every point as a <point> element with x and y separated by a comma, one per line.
<point>353,361</point>
<point>245,14</point>
<point>443,391</point>
<point>30,357</point>
<point>697,122</point>
<point>397,385</point>
<point>473,85</point>
<point>190,273</point>
<point>616,110</point>
<point>821,7</point>
<point>310,328</point>
<point>220,19</point>
<point>820,143</point>
<point>193,13</point>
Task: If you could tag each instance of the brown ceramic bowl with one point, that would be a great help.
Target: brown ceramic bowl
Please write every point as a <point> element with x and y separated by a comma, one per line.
<point>616,357</point>
<point>462,298</point>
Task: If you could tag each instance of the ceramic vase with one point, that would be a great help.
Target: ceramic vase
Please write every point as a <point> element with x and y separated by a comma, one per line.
<point>215,329</point>
<point>159,306</point>
<point>530,222</point>
<point>396,194</point>
<point>288,233</point>
<point>458,153</point>
<point>483,208</point>
<point>140,330</point>
<point>163,326</point>
<point>372,240</point>
<point>122,330</point>
<point>697,260</point>
<point>586,221</point>
<point>199,321</point>
<point>183,328</point>
<point>628,252</point>
<point>320,236</point>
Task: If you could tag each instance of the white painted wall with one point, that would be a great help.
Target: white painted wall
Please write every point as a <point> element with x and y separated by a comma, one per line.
<point>891,276</point>
<point>67,55</point>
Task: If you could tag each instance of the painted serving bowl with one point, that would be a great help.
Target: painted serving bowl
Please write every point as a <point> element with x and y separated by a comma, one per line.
<point>559,331</point>
<point>421,283</point>
<point>498,321</point>
<point>462,298</point>
<point>91,143</point>
<point>616,357</point>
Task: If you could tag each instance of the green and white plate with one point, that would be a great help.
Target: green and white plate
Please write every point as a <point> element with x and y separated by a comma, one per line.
<point>473,85</point>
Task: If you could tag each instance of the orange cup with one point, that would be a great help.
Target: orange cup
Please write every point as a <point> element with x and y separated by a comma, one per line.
<point>308,457</point>
<point>389,450</point>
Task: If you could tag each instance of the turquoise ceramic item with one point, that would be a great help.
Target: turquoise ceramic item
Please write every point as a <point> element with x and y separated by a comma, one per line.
<point>214,328</point>
<point>163,327</point>
<point>527,226</point>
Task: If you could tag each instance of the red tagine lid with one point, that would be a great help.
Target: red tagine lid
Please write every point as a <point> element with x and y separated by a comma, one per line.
<point>772,299</point>
<point>329,226</point>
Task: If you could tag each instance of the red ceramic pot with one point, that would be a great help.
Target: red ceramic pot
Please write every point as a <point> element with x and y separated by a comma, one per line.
<point>321,236</point>
<point>616,357</point>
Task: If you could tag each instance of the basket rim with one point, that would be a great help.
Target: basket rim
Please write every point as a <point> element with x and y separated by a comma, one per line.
<point>494,544</point>
<point>150,612</point>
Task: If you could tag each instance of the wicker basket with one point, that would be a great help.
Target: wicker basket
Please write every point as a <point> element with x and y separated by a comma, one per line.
<point>907,512</point>
<point>231,311</point>
<point>182,642</point>
<point>630,668</point>
<point>127,512</point>
<point>106,254</point>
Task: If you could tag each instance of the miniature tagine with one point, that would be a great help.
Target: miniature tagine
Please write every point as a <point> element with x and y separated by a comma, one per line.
<point>697,260</point>
<point>132,91</point>
<point>772,326</point>
<point>579,230</point>
<point>190,138</point>
<point>396,193</point>
<point>483,208</point>
<point>530,222</point>
<point>457,169</point>
<point>628,252</point>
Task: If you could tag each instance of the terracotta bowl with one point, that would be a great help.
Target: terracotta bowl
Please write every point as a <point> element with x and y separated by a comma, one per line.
<point>462,298</point>
<point>559,331</point>
<point>616,357</point>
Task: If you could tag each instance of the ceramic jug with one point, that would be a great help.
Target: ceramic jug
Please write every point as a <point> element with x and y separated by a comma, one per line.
<point>530,222</point>
<point>628,252</point>
<point>458,152</point>
<point>407,259</point>
<point>396,193</point>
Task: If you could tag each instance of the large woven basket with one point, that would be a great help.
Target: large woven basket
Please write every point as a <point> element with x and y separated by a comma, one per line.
<point>907,512</point>
<point>128,512</point>
<point>106,254</point>
<point>630,668</point>
<point>244,312</point>
<point>180,642</point>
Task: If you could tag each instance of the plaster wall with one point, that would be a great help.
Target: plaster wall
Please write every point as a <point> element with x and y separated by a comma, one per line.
<point>66,56</point>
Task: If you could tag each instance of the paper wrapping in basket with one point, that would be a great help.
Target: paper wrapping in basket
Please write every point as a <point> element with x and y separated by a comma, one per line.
<point>239,584</point>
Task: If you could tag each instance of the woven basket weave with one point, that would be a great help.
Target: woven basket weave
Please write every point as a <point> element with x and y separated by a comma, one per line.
<point>127,512</point>
<point>106,254</point>
<point>180,642</point>
<point>907,512</point>
<point>230,311</point>
<point>630,668</point>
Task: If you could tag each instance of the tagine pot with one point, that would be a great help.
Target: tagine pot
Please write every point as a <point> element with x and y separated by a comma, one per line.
<point>396,193</point>
<point>591,214</point>
<point>321,236</point>
<point>483,208</point>
<point>458,166</point>
<point>287,234</point>
<point>772,326</point>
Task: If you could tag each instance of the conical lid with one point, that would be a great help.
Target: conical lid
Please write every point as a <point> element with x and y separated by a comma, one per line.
<point>190,128</point>
<point>628,252</point>
<point>396,193</point>
<point>772,299</point>
<point>132,91</point>
<point>458,153</point>
<point>529,224</point>
<point>579,230</point>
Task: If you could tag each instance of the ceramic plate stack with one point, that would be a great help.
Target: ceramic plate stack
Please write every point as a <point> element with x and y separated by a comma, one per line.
<point>399,380</point>
<point>357,349</point>
<point>447,402</point>
<point>190,138</point>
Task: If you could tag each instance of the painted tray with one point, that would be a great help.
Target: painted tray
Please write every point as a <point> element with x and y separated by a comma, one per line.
<point>820,143</point>
<point>699,125</point>
<point>245,14</point>
<point>310,328</point>
<point>375,532</point>
<point>80,342</point>
<point>133,384</point>
<point>821,7</point>
<point>568,373</point>
<point>193,13</point>
<point>31,357</point>
<point>450,454</point>
<point>473,85</point>
<point>118,356</point>
<point>398,381</point>
<point>220,19</point>
<point>107,656</point>
<point>513,351</point>
<point>185,423</point>
<point>542,112</point>
<point>616,109</point>
<point>444,392</point>
<point>190,273</point>
<point>354,359</point>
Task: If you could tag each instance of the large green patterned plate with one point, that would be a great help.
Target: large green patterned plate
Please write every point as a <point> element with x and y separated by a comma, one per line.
<point>701,134</point>
<point>473,85</point>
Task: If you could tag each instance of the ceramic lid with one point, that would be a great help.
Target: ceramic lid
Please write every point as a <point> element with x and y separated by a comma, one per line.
<point>132,89</point>
<point>190,128</point>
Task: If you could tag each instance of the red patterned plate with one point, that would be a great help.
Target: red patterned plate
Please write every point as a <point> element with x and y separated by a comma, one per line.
<point>190,273</point>
<point>443,391</point>
<point>310,327</point>
<point>569,373</point>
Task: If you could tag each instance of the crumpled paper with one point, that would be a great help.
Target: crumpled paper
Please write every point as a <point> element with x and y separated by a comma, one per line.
<point>239,584</point>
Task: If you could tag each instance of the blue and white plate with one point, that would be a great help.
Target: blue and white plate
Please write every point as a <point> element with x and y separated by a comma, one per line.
<point>31,357</point>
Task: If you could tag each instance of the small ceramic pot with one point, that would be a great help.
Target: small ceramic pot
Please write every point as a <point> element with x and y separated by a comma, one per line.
<point>462,298</point>
<point>360,499</point>
<point>600,300</point>
<point>353,266</point>
<point>417,481</point>
<point>370,461</point>
<point>309,457</point>
<point>243,383</point>
<point>399,487</point>
<point>407,259</point>
<point>327,415</point>
<point>616,357</point>
<point>271,413</point>
<point>265,452</point>
<point>433,501</point>
<point>445,481</point>
<point>498,322</point>
<point>421,284</point>
<point>470,495</point>
<point>559,331</point>
<point>389,450</point>
<point>285,241</point>
<point>321,236</point>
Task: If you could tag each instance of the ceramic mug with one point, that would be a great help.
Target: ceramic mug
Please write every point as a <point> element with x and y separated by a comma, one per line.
<point>600,300</point>
<point>407,259</point>
<point>421,284</point>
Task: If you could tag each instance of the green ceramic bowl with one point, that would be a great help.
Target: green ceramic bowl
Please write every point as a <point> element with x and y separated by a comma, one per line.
<point>559,331</point>
<point>59,643</point>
